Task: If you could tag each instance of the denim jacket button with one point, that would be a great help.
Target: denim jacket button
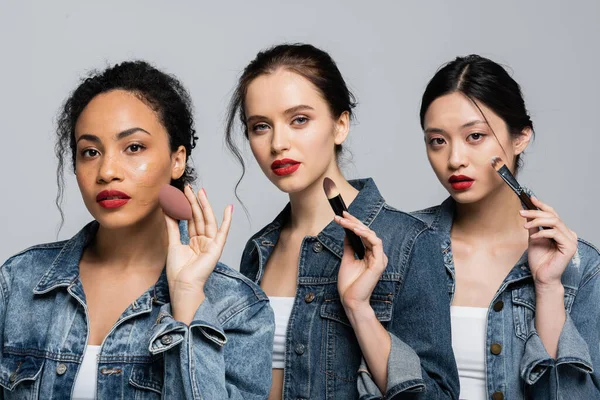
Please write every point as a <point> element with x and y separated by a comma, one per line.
<point>496,349</point>
<point>61,369</point>
<point>309,297</point>
<point>300,349</point>
<point>317,247</point>
<point>498,306</point>
<point>498,396</point>
<point>166,340</point>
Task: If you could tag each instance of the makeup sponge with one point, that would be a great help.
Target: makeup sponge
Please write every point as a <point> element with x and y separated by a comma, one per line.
<point>174,203</point>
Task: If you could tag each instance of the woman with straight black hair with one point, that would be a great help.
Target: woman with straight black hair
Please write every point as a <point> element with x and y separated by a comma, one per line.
<point>525,315</point>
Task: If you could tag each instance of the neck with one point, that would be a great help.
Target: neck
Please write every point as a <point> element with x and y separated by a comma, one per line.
<point>142,245</point>
<point>495,216</point>
<point>311,211</point>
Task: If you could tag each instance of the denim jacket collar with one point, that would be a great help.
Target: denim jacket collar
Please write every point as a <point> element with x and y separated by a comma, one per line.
<point>442,224</point>
<point>365,207</point>
<point>367,204</point>
<point>64,271</point>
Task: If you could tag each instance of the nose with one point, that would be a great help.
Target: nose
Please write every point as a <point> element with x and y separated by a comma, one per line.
<point>109,169</point>
<point>280,141</point>
<point>458,156</point>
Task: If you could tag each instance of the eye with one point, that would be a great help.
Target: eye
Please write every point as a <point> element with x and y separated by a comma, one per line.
<point>135,148</point>
<point>436,141</point>
<point>260,127</point>
<point>475,137</point>
<point>90,153</point>
<point>300,120</point>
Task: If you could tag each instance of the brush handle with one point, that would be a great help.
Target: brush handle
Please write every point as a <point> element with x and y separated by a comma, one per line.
<point>338,206</point>
<point>526,200</point>
<point>511,181</point>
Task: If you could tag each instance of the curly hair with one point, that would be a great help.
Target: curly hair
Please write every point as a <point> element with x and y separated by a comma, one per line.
<point>162,92</point>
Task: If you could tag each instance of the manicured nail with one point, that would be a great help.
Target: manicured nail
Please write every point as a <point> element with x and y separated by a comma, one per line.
<point>522,212</point>
<point>232,208</point>
<point>204,191</point>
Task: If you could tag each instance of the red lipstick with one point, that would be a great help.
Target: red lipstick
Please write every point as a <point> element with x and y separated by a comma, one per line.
<point>112,198</point>
<point>460,182</point>
<point>285,166</point>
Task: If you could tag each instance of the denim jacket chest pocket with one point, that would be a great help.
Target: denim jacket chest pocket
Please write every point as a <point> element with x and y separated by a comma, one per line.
<point>148,379</point>
<point>21,374</point>
<point>340,351</point>
<point>523,300</point>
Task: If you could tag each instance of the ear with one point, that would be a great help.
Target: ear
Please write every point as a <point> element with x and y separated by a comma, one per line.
<point>342,127</point>
<point>178,158</point>
<point>521,142</point>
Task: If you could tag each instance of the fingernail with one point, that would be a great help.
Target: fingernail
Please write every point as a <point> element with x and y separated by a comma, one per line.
<point>232,208</point>
<point>204,191</point>
<point>522,212</point>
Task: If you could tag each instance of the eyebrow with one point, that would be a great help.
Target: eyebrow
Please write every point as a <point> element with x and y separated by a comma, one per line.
<point>468,124</point>
<point>119,136</point>
<point>289,111</point>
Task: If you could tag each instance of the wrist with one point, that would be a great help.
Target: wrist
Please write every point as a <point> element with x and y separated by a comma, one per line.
<point>549,289</point>
<point>184,307</point>
<point>359,312</point>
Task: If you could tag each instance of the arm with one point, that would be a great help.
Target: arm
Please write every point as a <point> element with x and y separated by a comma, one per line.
<point>208,360</point>
<point>413,357</point>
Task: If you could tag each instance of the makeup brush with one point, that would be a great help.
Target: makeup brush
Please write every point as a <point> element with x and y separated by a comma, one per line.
<point>511,181</point>
<point>338,206</point>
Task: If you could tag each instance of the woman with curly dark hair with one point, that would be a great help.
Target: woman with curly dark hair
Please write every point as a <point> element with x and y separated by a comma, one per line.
<point>124,309</point>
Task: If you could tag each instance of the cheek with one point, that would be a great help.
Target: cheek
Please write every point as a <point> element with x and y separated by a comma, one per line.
<point>260,150</point>
<point>437,160</point>
<point>148,174</point>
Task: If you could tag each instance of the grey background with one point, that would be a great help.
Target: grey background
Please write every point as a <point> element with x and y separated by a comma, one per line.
<point>387,51</point>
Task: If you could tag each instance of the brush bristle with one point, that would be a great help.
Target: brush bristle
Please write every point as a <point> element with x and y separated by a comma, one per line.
<point>497,163</point>
<point>330,188</point>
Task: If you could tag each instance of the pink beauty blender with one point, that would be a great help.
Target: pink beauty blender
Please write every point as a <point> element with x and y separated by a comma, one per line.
<point>174,203</point>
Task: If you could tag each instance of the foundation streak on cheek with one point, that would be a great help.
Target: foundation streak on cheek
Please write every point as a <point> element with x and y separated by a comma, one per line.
<point>143,178</point>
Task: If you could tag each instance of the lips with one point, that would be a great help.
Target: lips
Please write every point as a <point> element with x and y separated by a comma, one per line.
<point>285,166</point>
<point>112,198</point>
<point>460,182</point>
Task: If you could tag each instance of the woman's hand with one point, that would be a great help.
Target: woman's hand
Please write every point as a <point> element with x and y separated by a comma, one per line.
<point>189,266</point>
<point>358,278</point>
<point>551,248</point>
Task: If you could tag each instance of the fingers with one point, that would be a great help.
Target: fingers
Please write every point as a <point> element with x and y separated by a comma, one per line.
<point>564,243</point>
<point>172,231</point>
<point>370,239</point>
<point>542,206</point>
<point>223,231</point>
<point>196,224</point>
<point>210,222</point>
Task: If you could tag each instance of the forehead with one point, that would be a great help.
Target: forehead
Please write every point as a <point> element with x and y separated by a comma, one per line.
<point>454,110</point>
<point>279,91</point>
<point>116,111</point>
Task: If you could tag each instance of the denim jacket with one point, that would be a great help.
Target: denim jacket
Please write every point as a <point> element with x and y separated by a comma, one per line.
<point>322,357</point>
<point>522,368</point>
<point>147,354</point>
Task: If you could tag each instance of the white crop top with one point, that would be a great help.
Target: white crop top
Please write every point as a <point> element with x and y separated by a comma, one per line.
<point>85,383</point>
<point>282,307</point>
<point>468,343</point>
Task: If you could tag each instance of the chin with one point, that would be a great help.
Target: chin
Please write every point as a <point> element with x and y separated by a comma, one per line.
<point>465,196</point>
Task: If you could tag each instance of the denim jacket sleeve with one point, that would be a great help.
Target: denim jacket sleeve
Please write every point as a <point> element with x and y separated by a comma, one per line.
<point>421,362</point>
<point>578,359</point>
<point>4,294</point>
<point>210,360</point>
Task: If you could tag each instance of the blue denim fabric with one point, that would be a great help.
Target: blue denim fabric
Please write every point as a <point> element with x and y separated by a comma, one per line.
<point>322,358</point>
<point>147,354</point>
<point>523,369</point>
